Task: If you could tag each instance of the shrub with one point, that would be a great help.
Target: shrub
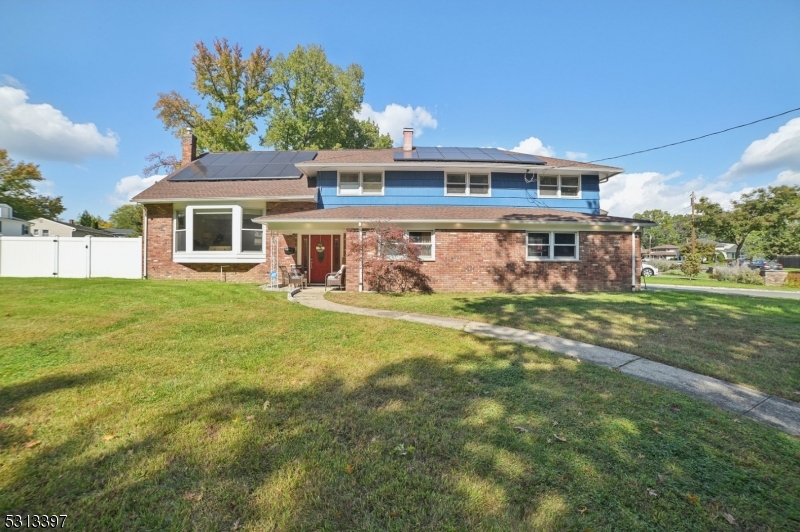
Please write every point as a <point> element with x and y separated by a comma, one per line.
<point>793,279</point>
<point>738,274</point>
<point>691,265</point>
<point>664,265</point>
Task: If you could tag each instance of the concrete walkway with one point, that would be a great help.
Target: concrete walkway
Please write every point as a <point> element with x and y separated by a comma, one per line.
<point>752,292</point>
<point>756,405</point>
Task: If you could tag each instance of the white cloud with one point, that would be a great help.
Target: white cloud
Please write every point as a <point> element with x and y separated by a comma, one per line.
<point>534,146</point>
<point>787,178</point>
<point>10,81</point>
<point>626,194</point>
<point>45,188</point>
<point>778,150</point>
<point>128,187</point>
<point>42,132</point>
<point>577,155</point>
<point>395,117</point>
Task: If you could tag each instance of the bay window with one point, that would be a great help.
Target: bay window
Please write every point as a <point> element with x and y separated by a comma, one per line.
<point>218,233</point>
<point>542,246</point>
<point>560,186</point>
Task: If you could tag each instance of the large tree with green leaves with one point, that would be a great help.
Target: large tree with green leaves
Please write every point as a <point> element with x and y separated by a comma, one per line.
<point>127,216</point>
<point>770,210</point>
<point>18,189</point>
<point>672,229</point>
<point>315,103</point>
<point>237,92</point>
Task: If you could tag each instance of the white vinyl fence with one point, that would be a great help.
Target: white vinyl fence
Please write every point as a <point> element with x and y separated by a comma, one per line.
<point>70,257</point>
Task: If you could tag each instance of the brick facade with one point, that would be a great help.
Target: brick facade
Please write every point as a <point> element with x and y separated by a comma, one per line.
<point>159,264</point>
<point>495,260</point>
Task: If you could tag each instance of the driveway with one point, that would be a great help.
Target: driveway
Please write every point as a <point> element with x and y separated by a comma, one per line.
<point>752,292</point>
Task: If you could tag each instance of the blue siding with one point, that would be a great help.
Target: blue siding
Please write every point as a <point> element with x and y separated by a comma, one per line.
<point>427,188</point>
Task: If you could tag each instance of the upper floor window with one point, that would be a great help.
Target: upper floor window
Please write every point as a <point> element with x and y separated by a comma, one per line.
<point>552,246</point>
<point>360,183</point>
<point>468,185</point>
<point>561,186</point>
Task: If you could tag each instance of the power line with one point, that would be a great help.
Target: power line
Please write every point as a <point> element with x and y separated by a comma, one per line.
<point>697,138</point>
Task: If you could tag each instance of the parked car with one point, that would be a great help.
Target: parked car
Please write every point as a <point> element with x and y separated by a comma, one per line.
<point>648,270</point>
<point>762,264</point>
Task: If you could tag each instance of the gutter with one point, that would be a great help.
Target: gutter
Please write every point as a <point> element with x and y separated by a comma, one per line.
<point>266,220</point>
<point>243,198</point>
<point>633,259</point>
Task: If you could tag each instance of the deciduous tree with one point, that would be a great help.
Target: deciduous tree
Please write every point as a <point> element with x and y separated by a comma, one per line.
<point>18,190</point>
<point>237,92</point>
<point>315,102</point>
<point>127,217</point>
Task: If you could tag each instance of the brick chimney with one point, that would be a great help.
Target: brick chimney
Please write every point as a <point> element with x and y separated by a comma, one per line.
<point>189,145</point>
<point>408,139</point>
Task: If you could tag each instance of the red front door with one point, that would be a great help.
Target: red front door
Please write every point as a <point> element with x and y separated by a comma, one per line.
<point>320,250</point>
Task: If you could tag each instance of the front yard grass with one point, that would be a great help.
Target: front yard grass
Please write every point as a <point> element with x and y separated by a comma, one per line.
<point>141,405</point>
<point>705,279</point>
<point>746,340</point>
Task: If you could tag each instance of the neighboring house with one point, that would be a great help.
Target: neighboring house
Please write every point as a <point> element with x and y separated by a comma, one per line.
<point>727,250</point>
<point>666,252</point>
<point>120,233</point>
<point>10,226</point>
<point>485,219</point>
<point>43,227</point>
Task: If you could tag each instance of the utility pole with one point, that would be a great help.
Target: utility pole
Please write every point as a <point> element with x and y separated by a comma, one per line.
<point>693,235</point>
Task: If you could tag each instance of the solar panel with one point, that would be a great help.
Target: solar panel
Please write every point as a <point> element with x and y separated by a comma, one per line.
<point>242,166</point>
<point>426,153</point>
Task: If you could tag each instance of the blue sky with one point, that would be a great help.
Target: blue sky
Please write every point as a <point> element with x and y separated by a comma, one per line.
<point>79,80</point>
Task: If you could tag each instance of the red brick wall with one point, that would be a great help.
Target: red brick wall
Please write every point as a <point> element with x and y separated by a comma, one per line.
<point>159,264</point>
<point>495,260</point>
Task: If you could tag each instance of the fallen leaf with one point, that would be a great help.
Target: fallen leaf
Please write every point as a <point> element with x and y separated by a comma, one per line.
<point>250,418</point>
<point>189,496</point>
<point>652,492</point>
<point>521,429</point>
<point>660,478</point>
<point>32,444</point>
<point>729,518</point>
<point>266,405</point>
<point>675,408</point>
<point>797,393</point>
<point>555,423</point>
<point>640,456</point>
<point>4,426</point>
<point>549,440</point>
<point>349,468</point>
<point>11,409</point>
<point>29,431</point>
<point>235,525</point>
<point>559,437</point>
<point>712,420</point>
<point>655,429</point>
<point>737,420</point>
<point>692,498</point>
<point>221,360</point>
<point>108,437</point>
<point>344,337</point>
<point>583,510</point>
<point>130,451</point>
<point>392,514</point>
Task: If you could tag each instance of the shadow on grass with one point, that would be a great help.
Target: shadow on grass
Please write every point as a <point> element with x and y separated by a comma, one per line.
<point>468,443</point>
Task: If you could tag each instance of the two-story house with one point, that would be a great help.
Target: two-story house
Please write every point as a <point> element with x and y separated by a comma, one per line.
<point>484,219</point>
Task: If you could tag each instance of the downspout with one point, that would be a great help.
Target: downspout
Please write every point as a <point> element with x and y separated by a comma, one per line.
<point>633,259</point>
<point>144,241</point>
<point>360,258</point>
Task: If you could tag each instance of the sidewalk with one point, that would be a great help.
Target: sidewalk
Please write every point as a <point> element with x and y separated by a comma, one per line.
<point>764,408</point>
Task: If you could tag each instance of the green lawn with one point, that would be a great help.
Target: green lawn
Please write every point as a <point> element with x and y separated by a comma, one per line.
<point>705,280</point>
<point>750,341</point>
<point>141,405</point>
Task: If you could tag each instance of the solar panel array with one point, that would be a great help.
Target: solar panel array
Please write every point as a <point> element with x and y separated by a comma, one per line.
<point>243,166</point>
<point>467,155</point>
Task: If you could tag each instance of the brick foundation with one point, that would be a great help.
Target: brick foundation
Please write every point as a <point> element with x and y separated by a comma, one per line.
<point>159,264</point>
<point>468,261</point>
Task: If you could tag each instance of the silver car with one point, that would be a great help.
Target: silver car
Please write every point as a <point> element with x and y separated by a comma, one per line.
<point>648,270</point>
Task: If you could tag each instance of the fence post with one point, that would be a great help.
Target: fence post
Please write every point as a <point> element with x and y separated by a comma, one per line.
<point>55,256</point>
<point>88,256</point>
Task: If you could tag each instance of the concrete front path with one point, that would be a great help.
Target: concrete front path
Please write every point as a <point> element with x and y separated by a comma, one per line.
<point>756,405</point>
<point>752,292</point>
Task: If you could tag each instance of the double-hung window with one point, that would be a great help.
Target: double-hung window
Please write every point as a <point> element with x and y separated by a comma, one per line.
<point>424,240</point>
<point>560,186</point>
<point>252,233</point>
<point>360,184</point>
<point>458,184</point>
<point>552,246</point>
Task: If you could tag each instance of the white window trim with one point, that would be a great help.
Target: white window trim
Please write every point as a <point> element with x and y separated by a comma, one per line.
<point>552,246</point>
<point>360,191</point>
<point>236,255</point>
<point>469,179</point>
<point>432,257</point>
<point>558,189</point>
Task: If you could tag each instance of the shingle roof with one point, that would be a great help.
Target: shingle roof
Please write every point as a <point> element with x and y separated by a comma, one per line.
<point>166,189</point>
<point>263,188</point>
<point>408,213</point>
